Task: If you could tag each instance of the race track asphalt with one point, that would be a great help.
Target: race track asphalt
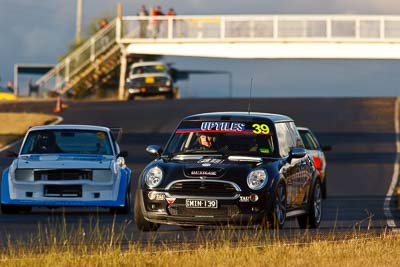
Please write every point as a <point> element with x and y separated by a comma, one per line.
<point>360,166</point>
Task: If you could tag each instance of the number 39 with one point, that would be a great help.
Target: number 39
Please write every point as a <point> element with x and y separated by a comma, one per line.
<point>260,128</point>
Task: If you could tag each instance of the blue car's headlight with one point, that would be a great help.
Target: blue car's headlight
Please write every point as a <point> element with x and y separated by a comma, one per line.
<point>257,179</point>
<point>153,176</point>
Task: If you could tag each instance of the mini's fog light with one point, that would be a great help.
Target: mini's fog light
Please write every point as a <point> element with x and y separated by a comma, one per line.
<point>255,209</point>
<point>152,195</point>
<point>253,197</point>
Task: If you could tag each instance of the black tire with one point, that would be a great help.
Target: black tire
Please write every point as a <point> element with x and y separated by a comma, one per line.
<point>126,209</point>
<point>170,96</point>
<point>277,217</point>
<point>312,218</point>
<point>131,98</point>
<point>139,219</point>
<point>14,209</point>
<point>323,189</point>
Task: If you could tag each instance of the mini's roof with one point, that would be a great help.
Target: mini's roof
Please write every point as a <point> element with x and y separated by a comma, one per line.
<point>244,116</point>
<point>70,127</point>
<point>147,63</point>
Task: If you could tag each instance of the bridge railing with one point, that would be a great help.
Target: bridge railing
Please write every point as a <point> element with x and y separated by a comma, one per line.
<point>324,28</point>
<point>87,53</point>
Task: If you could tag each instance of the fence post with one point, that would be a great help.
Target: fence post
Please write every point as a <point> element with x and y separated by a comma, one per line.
<point>121,87</point>
<point>92,49</point>
<point>118,24</point>
<point>170,27</point>
<point>275,27</point>
<point>357,28</point>
<point>329,28</point>
<point>67,63</point>
<point>222,26</point>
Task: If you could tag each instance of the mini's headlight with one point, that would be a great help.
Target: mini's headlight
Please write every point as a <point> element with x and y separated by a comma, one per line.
<point>167,82</point>
<point>257,179</point>
<point>153,176</point>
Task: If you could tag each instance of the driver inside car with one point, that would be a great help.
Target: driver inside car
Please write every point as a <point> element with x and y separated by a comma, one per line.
<point>205,141</point>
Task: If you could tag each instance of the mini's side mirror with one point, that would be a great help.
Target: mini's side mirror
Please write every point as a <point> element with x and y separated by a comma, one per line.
<point>123,154</point>
<point>154,150</point>
<point>326,148</point>
<point>297,153</point>
<point>11,154</point>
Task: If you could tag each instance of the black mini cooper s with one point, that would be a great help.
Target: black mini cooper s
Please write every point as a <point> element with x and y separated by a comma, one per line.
<point>230,168</point>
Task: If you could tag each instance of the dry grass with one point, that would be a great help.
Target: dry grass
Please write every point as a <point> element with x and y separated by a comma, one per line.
<point>373,251</point>
<point>14,125</point>
<point>101,245</point>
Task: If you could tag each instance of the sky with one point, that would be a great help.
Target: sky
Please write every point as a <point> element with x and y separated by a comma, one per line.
<point>39,31</point>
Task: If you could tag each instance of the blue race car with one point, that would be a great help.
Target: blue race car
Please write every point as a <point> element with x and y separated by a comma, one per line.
<point>67,165</point>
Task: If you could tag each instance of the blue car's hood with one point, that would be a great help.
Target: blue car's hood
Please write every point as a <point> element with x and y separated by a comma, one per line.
<point>57,161</point>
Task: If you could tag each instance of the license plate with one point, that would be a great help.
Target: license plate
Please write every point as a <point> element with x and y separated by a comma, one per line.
<point>202,203</point>
<point>149,80</point>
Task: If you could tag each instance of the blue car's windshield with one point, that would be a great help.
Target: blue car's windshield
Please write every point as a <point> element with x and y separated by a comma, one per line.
<point>67,141</point>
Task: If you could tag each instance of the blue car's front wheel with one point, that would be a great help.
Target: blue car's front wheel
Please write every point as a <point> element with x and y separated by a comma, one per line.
<point>14,209</point>
<point>127,204</point>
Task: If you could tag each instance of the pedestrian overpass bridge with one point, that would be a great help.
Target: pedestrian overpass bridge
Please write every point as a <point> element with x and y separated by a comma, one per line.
<point>283,36</point>
<point>236,36</point>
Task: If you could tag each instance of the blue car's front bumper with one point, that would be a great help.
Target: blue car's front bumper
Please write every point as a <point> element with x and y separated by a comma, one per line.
<point>37,199</point>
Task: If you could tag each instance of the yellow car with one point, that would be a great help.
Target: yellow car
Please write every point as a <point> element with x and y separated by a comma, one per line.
<point>6,94</point>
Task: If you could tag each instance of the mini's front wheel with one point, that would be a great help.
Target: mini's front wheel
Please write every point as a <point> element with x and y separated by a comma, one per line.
<point>139,219</point>
<point>277,217</point>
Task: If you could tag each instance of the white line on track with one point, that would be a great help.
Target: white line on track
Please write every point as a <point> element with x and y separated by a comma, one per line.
<point>395,178</point>
<point>57,121</point>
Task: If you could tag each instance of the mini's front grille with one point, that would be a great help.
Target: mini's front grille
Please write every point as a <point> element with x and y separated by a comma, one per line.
<point>204,172</point>
<point>222,211</point>
<point>63,174</point>
<point>203,188</point>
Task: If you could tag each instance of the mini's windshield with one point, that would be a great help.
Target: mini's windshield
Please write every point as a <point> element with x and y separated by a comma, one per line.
<point>149,69</point>
<point>222,137</point>
<point>67,141</point>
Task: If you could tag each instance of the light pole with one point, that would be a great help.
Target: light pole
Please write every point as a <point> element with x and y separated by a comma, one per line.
<point>78,21</point>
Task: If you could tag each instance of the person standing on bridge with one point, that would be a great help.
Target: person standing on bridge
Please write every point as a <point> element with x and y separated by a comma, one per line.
<point>103,23</point>
<point>143,21</point>
<point>10,86</point>
<point>104,39</point>
<point>158,12</point>
<point>171,12</point>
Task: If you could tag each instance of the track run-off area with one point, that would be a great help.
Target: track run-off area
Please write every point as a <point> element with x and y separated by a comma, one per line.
<point>362,167</point>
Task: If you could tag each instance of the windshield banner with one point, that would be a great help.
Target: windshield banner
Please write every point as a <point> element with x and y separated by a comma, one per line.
<point>224,127</point>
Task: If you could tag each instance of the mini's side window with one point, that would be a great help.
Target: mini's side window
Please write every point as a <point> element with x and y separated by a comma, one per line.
<point>285,139</point>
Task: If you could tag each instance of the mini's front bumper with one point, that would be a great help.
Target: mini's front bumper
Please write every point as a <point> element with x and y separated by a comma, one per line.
<point>229,211</point>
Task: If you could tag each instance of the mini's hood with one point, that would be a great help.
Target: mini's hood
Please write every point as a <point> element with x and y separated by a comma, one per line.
<point>66,161</point>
